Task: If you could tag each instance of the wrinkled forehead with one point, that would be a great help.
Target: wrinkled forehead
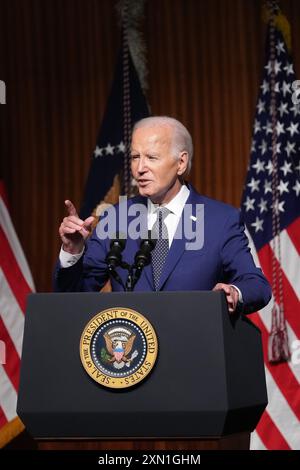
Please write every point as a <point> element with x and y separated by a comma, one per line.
<point>153,136</point>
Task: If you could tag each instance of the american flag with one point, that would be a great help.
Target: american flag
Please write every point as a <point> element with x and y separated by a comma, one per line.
<point>15,283</point>
<point>279,427</point>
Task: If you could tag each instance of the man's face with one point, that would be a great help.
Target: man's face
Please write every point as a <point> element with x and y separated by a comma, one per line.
<point>153,165</point>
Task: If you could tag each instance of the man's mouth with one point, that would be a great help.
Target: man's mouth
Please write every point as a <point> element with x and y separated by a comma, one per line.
<point>143,182</point>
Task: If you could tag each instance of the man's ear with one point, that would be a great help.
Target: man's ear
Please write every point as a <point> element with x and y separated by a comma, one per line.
<point>182,163</point>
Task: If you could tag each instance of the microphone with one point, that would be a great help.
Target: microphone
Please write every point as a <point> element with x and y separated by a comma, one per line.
<point>143,256</point>
<point>114,256</point>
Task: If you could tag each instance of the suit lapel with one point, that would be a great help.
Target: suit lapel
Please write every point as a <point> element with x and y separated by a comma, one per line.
<point>149,275</point>
<point>178,246</point>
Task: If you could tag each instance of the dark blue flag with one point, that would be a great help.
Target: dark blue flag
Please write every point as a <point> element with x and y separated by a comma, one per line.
<point>126,105</point>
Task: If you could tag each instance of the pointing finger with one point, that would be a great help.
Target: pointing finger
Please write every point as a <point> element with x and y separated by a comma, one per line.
<point>70,207</point>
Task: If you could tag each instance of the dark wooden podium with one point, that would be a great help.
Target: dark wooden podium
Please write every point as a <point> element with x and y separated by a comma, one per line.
<point>240,441</point>
<point>206,391</point>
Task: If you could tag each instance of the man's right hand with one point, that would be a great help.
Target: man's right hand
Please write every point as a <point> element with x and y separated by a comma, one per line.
<point>73,231</point>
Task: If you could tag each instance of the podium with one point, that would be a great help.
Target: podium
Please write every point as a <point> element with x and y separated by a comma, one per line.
<point>207,389</point>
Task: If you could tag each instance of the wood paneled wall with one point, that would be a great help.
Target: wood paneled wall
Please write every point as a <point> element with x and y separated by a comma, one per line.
<point>57,58</point>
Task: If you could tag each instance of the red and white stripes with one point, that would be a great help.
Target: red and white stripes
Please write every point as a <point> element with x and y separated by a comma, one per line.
<point>15,284</point>
<point>279,427</point>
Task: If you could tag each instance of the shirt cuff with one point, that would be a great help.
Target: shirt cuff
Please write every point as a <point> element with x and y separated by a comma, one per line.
<point>240,294</point>
<point>67,259</point>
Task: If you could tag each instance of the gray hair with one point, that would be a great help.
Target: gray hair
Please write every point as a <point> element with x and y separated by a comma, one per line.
<point>181,138</point>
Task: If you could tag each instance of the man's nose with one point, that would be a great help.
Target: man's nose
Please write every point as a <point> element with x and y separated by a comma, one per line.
<point>141,166</point>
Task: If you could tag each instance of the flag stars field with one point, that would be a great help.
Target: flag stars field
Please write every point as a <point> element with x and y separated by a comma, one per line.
<point>109,149</point>
<point>258,224</point>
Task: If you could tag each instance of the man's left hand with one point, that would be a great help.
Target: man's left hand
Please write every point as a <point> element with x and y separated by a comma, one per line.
<point>232,295</point>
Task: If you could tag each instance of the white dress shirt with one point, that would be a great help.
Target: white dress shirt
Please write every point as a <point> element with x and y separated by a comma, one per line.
<point>175,207</point>
<point>67,259</point>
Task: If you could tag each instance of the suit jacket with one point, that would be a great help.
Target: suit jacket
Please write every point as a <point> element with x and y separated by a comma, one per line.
<point>224,257</point>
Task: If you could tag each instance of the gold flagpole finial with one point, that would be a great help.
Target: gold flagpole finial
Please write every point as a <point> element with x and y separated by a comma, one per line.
<point>270,8</point>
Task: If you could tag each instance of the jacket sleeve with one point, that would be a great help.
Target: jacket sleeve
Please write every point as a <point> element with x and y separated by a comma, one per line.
<point>239,267</point>
<point>88,274</point>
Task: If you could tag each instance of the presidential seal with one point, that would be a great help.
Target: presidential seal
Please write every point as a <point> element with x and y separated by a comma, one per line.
<point>118,347</point>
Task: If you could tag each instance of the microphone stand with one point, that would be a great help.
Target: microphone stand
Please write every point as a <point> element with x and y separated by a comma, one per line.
<point>142,259</point>
<point>113,273</point>
<point>130,282</point>
<point>132,277</point>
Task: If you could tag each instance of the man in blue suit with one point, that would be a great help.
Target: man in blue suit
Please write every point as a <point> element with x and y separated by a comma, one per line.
<point>201,242</point>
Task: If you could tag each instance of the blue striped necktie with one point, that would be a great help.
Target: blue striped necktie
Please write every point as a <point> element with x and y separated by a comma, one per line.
<point>160,252</point>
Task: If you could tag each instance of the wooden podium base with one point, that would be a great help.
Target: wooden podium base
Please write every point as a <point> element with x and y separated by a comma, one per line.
<point>235,442</point>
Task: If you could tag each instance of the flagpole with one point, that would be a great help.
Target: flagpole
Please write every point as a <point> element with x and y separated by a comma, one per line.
<point>126,100</point>
<point>131,12</point>
<point>278,350</point>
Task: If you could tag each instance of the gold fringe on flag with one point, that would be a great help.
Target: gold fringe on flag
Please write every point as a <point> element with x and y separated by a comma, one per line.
<point>10,430</point>
<point>280,22</point>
